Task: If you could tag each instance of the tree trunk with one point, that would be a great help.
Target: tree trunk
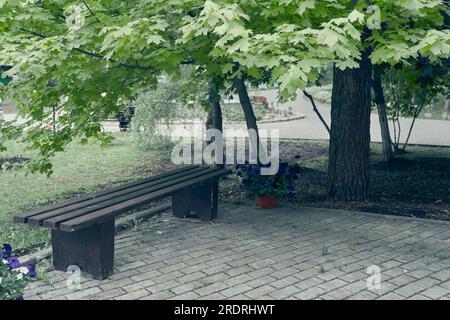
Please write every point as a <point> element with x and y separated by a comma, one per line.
<point>214,120</point>
<point>382,114</point>
<point>348,169</point>
<point>217,121</point>
<point>247,107</point>
<point>209,119</point>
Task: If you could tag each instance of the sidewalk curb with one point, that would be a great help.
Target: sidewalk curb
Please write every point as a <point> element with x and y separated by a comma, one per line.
<point>298,116</point>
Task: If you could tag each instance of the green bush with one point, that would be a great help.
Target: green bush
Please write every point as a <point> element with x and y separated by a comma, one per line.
<point>155,111</point>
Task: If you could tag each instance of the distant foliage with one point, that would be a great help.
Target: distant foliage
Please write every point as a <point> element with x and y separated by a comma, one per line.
<point>156,109</point>
<point>409,91</point>
<point>155,112</point>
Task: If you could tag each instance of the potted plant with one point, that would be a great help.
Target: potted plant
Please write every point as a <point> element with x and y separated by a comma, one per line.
<point>13,275</point>
<point>268,189</point>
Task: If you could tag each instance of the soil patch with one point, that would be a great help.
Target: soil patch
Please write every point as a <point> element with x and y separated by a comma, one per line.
<point>413,185</point>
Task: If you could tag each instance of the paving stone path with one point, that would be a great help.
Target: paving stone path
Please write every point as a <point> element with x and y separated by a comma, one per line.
<point>287,253</point>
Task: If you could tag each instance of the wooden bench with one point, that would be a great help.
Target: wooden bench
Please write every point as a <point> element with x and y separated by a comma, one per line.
<point>83,228</point>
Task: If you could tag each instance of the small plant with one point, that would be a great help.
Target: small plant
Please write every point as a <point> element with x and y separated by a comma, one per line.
<point>13,275</point>
<point>422,245</point>
<point>324,250</point>
<point>280,185</point>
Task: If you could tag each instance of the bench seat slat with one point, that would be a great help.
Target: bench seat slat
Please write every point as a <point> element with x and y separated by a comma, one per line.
<point>103,200</point>
<point>54,221</point>
<point>106,213</point>
<point>23,218</point>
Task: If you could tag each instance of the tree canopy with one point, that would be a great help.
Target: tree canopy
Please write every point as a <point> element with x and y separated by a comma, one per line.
<point>88,58</point>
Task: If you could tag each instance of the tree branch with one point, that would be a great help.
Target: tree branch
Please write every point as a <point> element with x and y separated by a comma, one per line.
<point>91,11</point>
<point>93,54</point>
<point>310,97</point>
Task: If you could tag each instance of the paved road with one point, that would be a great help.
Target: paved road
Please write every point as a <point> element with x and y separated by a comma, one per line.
<point>428,132</point>
<point>432,132</point>
<point>285,253</point>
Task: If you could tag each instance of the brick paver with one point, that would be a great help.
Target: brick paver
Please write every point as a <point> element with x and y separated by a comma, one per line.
<point>286,253</point>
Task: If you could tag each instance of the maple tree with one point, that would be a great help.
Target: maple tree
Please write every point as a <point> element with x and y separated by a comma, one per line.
<point>99,54</point>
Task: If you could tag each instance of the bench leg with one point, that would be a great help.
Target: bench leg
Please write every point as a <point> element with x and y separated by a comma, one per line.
<point>201,199</point>
<point>91,249</point>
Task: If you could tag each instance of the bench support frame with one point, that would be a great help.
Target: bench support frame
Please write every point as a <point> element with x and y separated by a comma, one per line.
<point>91,249</point>
<point>201,199</point>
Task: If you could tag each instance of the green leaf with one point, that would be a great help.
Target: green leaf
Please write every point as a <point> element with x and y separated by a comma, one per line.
<point>305,5</point>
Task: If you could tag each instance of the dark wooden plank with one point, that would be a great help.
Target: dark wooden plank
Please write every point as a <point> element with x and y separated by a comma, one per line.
<point>102,201</point>
<point>105,214</point>
<point>22,218</point>
<point>53,222</point>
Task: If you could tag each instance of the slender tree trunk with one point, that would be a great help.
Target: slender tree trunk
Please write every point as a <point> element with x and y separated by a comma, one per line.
<point>208,123</point>
<point>316,110</point>
<point>214,120</point>
<point>420,105</point>
<point>247,107</point>
<point>217,120</point>
<point>382,114</point>
<point>348,169</point>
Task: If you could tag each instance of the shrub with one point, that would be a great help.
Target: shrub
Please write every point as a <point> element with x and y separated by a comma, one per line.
<point>155,111</point>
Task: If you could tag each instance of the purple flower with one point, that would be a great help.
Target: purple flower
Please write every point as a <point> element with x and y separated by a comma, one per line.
<point>294,176</point>
<point>31,271</point>
<point>19,298</point>
<point>7,251</point>
<point>283,168</point>
<point>14,263</point>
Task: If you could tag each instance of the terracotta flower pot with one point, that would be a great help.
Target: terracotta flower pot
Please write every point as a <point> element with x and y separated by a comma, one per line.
<point>266,202</point>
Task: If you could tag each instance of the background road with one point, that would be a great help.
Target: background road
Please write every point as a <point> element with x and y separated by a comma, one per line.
<point>427,132</point>
<point>430,132</point>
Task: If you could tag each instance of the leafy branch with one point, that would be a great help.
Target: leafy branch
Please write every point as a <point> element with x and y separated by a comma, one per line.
<point>92,54</point>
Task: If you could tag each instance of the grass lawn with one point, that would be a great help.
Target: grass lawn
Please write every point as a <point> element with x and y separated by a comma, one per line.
<point>417,184</point>
<point>81,169</point>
